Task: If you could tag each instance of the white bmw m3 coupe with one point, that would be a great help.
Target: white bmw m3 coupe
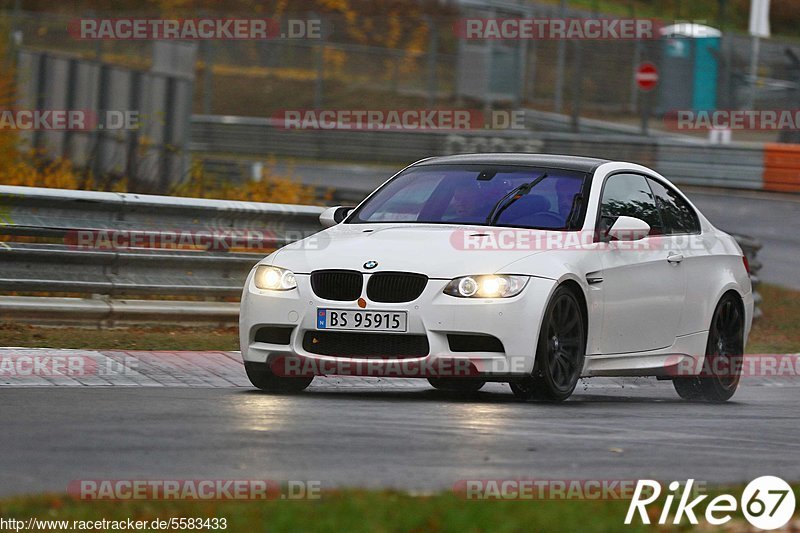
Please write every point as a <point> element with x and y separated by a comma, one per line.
<point>534,270</point>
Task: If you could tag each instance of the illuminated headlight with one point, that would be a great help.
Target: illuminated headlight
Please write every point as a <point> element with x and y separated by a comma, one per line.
<point>274,278</point>
<point>489,286</point>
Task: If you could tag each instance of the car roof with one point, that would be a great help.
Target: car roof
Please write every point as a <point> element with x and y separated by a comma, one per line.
<point>565,162</point>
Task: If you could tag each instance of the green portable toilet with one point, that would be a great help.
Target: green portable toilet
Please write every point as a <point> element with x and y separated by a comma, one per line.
<point>689,67</point>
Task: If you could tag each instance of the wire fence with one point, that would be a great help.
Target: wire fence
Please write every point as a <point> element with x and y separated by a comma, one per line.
<point>596,76</point>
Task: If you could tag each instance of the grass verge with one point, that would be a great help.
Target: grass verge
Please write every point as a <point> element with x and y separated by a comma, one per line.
<point>370,511</point>
<point>157,338</point>
<point>778,330</point>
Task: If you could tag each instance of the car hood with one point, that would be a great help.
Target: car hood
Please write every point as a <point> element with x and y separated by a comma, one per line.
<point>438,251</point>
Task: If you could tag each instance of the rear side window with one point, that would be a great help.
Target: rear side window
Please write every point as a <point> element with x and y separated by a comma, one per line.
<point>628,195</point>
<point>678,215</point>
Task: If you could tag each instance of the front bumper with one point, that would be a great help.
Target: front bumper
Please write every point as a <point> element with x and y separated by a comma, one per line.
<point>514,321</point>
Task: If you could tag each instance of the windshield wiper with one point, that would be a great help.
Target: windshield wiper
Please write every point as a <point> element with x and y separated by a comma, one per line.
<point>509,198</point>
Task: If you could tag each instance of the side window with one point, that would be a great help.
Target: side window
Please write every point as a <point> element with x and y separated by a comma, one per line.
<point>628,195</point>
<point>678,216</point>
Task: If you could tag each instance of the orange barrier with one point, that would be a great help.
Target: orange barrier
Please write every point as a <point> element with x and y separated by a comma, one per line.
<point>782,167</point>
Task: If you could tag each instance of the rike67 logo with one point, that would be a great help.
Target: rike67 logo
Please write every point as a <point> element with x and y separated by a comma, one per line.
<point>767,503</point>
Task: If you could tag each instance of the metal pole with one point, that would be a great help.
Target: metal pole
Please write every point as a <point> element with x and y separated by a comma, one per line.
<point>41,95</point>
<point>15,27</point>
<point>98,43</point>
<point>722,14</point>
<point>637,58</point>
<point>577,87</point>
<point>97,163</point>
<point>72,82</point>
<point>396,72</point>
<point>320,64</point>
<point>433,50</point>
<point>168,147</point>
<point>756,48</point>
<point>208,77</point>
<point>726,58</point>
<point>487,79</point>
<point>318,86</point>
<point>134,102</point>
<point>558,103</point>
<point>533,50</point>
<point>522,62</point>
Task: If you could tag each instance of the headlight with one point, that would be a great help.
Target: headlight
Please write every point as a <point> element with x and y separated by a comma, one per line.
<point>489,286</point>
<point>274,278</point>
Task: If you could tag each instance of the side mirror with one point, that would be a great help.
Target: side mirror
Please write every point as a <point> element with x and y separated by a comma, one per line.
<point>629,229</point>
<point>334,215</point>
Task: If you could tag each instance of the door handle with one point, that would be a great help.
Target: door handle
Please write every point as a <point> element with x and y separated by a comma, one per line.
<point>674,258</point>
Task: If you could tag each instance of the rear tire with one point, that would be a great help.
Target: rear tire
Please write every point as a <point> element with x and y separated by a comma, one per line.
<point>456,384</point>
<point>263,378</point>
<point>722,367</point>
<point>560,351</point>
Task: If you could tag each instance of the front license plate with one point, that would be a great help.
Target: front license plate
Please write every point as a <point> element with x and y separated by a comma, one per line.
<point>355,320</point>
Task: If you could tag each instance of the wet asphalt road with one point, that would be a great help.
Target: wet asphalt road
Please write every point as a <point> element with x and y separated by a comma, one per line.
<point>413,437</point>
<point>384,436</point>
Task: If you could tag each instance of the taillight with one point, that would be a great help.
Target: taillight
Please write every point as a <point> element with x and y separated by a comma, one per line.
<point>746,264</point>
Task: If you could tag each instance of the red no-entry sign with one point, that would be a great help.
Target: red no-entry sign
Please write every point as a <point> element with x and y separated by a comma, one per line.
<point>647,76</point>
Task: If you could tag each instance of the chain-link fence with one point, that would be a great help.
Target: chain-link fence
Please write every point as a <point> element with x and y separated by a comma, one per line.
<point>591,78</point>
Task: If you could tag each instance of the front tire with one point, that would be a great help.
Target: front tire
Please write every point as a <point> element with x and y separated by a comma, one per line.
<point>722,366</point>
<point>263,378</point>
<point>560,351</point>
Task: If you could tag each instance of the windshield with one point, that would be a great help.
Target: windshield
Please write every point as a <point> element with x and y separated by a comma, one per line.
<point>474,194</point>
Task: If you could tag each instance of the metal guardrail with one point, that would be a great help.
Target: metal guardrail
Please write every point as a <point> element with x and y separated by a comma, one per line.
<point>112,276</point>
<point>108,273</point>
<point>684,160</point>
<point>57,212</point>
<point>58,268</point>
